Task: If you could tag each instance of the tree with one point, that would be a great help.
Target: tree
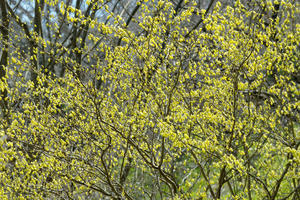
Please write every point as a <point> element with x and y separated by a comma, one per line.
<point>150,100</point>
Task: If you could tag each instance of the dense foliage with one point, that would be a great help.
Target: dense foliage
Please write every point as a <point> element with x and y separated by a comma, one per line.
<point>149,99</point>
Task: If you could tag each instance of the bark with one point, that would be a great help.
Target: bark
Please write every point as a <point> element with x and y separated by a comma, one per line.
<point>4,58</point>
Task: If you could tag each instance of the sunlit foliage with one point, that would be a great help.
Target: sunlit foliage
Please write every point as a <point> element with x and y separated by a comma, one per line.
<point>150,100</point>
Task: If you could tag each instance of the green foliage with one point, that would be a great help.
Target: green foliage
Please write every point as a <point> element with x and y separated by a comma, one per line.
<point>169,102</point>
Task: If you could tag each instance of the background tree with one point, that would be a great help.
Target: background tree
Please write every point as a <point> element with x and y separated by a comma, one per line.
<point>144,99</point>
